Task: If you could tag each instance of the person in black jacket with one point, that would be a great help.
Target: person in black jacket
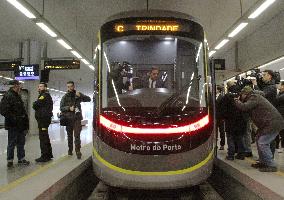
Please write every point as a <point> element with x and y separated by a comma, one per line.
<point>220,122</point>
<point>279,104</point>
<point>235,122</point>
<point>16,122</point>
<point>70,106</point>
<point>43,112</point>
<point>269,87</point>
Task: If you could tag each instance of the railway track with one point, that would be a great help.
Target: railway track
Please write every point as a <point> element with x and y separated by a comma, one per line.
<point>201,192</point>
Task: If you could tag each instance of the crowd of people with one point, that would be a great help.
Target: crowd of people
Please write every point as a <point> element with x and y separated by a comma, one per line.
<point>252,114</point>
<point>17,120</point>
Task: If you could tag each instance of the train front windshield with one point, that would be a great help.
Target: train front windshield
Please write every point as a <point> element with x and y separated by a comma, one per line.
<point>153,81</point>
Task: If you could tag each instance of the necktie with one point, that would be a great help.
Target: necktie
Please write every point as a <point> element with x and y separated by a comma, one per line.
<point>152,84</point>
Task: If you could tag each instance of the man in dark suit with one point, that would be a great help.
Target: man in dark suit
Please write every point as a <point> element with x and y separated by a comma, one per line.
<point>152,80</point>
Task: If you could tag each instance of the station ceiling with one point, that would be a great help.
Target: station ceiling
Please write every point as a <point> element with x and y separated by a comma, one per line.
<point>80,20</point>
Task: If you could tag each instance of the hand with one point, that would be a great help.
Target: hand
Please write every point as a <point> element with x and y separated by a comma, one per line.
<point>72,108</point>
<point>78,94</point>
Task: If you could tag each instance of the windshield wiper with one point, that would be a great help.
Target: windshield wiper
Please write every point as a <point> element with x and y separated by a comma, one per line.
<point>174,97</point>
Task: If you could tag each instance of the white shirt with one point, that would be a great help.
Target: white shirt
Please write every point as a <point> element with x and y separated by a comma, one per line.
<point>150,82</point>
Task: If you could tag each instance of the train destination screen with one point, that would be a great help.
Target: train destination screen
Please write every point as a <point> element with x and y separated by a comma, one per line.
<point>150,25</point>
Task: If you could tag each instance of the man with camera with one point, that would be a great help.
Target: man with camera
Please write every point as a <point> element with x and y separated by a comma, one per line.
<point>268,86</point>
<point>43,107</point>
<point>16,122</point>
<point>268,121</point>
<point>70,106</point>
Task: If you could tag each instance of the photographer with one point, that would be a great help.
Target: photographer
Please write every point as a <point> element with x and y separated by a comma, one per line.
<point>268,121</point>
<point>119,74</point>
<point>70,106</point>
<point>235,122</point>
<point>268,86</point>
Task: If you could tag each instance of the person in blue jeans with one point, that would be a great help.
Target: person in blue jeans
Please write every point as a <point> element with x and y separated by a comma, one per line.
<point>16,122</point>
<point>269,122</point>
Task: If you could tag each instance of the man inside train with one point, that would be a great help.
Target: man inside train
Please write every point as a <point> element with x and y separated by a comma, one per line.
<point>153,81</point>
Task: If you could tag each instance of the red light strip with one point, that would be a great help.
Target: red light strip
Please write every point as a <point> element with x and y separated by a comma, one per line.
<point>126,129</point>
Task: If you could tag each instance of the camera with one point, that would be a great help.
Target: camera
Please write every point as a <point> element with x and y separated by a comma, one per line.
<point>255,74</point>
<point>121,75</point>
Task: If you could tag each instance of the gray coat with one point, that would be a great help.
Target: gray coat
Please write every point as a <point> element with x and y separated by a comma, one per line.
<point>263,114</point>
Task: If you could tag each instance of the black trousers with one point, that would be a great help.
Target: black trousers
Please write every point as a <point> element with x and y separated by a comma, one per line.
<point>221,128</point>
<point>76,128</point>
<point>45,146</point>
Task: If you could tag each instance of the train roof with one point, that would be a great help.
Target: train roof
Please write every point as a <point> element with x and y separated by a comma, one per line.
<point>152,13</point>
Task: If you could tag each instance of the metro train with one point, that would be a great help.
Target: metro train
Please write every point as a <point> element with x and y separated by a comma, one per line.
<point>153,116</point>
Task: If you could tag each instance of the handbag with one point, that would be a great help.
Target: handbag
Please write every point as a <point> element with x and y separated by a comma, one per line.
<point>67,118</point>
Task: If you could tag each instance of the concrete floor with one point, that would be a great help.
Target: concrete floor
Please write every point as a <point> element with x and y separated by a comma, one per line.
<point>274,181</point>
<point>58,139</point>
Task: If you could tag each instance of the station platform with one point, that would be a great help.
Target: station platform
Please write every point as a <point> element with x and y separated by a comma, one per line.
<point>266,185</point>
<point>35,180</point>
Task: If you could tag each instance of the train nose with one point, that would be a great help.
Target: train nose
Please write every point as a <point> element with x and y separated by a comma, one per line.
<point>158,138</point>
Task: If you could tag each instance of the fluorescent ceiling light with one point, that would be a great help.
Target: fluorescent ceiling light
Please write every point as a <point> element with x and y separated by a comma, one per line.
<point>221,44</point>
<point>211,53</point>
<point>64,44</point>
<point>75,53</point>
<point>281,69</point>
<point>261,8</point>
<point>92,67</point>
<point>22,9</point>
<point>46,29</point>
<point>238,29</point>
<point>85,61</point>
<point>272,62</point>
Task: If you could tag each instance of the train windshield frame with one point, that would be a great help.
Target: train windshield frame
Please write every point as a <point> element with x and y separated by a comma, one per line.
<point>185,38</point>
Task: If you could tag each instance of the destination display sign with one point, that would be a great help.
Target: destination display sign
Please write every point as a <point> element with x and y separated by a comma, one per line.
<point>151,25</point>
<point>61,64</point>
<point>9,65</point>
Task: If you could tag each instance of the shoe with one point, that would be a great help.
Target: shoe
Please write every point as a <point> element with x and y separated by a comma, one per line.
<point>79,154</point>
<point>248,154</point>
<point>230,158</point>
<point>221,148</point>
<point>240,156</point>
<point>10,164</point>
<point>258,165</point>
<point>70,153</point>
<point>23,162</point>
<point>268,169</point>
<point>42,159</point>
